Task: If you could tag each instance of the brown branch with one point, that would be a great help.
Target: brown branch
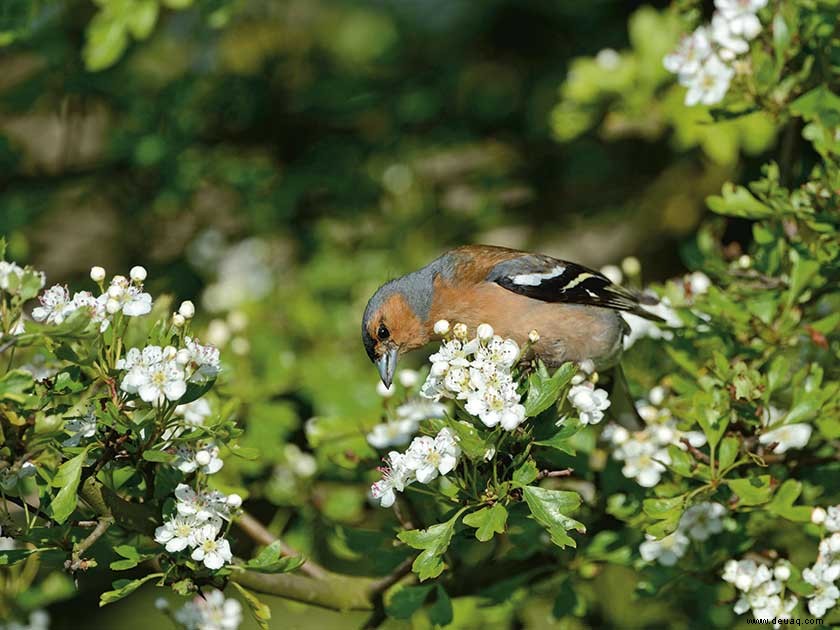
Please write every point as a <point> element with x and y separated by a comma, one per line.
<point>259,534</point>
<point>76,561</point>
<point>383,584</point>
<point>545,474</point>
<point>698,454</point>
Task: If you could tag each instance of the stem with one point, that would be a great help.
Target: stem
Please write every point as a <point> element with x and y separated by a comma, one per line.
<point>76,561</point>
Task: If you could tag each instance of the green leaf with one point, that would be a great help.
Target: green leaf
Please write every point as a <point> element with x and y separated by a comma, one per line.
<point>123,588</point>
<point>440,613</point>
<point>271,560</point>
<point>407,601</point>
<point>13,556</point>
<point>132,557</point>
<point>550,508</point>
<point>15,384</point>
<point>67,478</point>
<point>752,491</point>
<point>728,451</point>
<point>261,612</point>
<point>560,440</point>
<point>666,512</point>
<point>526,473</point>
<point>737,201</point>
<point>158,456</point>
<point>543,390</point>
<point>487,521</point>
<point>196,391</point>
<point>782,503</point>
<point>433,542</point>
<point>470,442</point>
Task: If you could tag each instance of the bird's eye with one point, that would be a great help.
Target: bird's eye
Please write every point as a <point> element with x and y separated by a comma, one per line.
<point>382,332</point>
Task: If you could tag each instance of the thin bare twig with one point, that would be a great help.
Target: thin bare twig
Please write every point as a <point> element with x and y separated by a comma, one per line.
<point>698,454</point>
<point>259,534</point>
<point>400,571</point>
<point>76,561</point>
<point>545,474</point>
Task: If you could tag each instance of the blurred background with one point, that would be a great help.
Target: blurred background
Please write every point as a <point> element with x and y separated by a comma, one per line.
<point>276,161</point>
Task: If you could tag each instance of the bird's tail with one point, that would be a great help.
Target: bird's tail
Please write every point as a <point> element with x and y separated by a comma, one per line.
<point>623,409</point>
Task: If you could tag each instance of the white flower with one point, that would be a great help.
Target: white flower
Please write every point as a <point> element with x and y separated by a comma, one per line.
<point>97,274</point>
<point>177,532</point>
<point>685,61</point>
<point>178,320</point>
<point>187,459</point>
<point>484,332</point>
<point>666,550</point>
<point>394,433</point>
<point>698,282</point>
<point>832,519</point>
<point>408,378</point>
<point>818,515</point>
<point>161,381</point>
<point>731,44</point>
<point>135,302</point>
<point>427,457</point>
<point>201,505</point>
<point>710,84</point>
<point>829,548</point>
<point>497,406</point>
<point>822,577</point>
<point>80,428</point>
<point>589,402</point>
<point>8,269</point>
<point>187,309</point>
<point>502,353</point>
<point>395,477</point>
<point>787,436</point>
<point>746,575</point>
<point>234,500</point>
<point>441,327</point>
<point>194,413</point>
<point>385,392</point>
<point>418,409</point>
<point>702,520</point>
<point>213,552</point>
<point>211,611</point>
<point>137,273</point>
<point>741,15</point>
<point>643,461</point>
<point>56,305</point>
<point>204,359</point>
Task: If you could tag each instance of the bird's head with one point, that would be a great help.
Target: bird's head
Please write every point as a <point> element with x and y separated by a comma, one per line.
<point>394,323</point>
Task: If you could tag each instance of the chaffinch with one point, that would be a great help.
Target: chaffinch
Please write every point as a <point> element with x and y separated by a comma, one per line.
<point>575,310</point>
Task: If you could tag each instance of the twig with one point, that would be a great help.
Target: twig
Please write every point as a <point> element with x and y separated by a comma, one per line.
<point>76,561</point>
<point>259,534</point>
<point>698,454</point>
<point>545,474</point>
<point>400,571</point>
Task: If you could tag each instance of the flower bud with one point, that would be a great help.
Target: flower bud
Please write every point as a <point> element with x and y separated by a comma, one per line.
<point>460,331</point>
<point>119,281</point>
<point>169,353</point>
<point>202,458</point>
<point>183,356</point>
<point>484,332</point>
<point>744,261</point>
<point>656,395</point>
<point>441,327</point>
<point>187,309</point>
<point>818,516</point>
<point>112,306</point>
<point>115,291</point>
<point>234,500</point>
<point>439,369</point>
<point>408,378</point>
<point>782,572</point>
<point>178,320</point>
<point>137,273</point>
<point>631,266</point>
<point>385,392</point>
<point>97,274</point>
<point>161,604</point>
<point>533,336</point>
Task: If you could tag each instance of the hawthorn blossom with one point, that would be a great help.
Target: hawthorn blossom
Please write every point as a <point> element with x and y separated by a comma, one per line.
<point>201,505</point>
<point>178,532</point>
<point>688,58</point>
<point>497,406</point>
<point>787,436</point>
<point>710,84</point>
<point>396,475</point>
<point>730,43</point>
<point>741,16</point>
<point>427,457</point>
<point>702,520</point>
<point>667,551</point>
<point>644,462</point>
<point>822,577</point>
<point>127,297</point>
<point>418,409</point>
<point>746,574</point>
<point>153,374</point>
<point>194,413</point>
<point>189,458</point>
<point>56,305</point>
<point>203,359</point>
<point>590,403</point>
<point>210,611</point>
<point>832,519</point>
<point>213,552</point>
<point>393,433</point>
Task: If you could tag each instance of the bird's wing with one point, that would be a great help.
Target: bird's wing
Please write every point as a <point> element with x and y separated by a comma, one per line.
<point>552,280</point>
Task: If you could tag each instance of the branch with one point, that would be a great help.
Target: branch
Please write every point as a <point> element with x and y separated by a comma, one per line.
<point>76,561</point>
<point>383,584</point>
<point>258,533</point>
<point>333,591</point>
<point>565,472</point>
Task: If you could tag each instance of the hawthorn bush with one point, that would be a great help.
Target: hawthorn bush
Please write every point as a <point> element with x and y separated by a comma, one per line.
<point>505,492</point>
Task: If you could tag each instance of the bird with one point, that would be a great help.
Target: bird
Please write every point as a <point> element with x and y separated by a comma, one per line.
<point>574,310</point>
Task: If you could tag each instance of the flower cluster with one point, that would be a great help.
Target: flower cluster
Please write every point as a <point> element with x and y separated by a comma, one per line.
<point>698,522</point>
<point>477,372</point>
<point>398,430</point>
<point>702,60</point>
<point>645,452</point>
<point>209,611</point>
<point>761,588</point>
<point>823,574</point>
<point>425,459</point>
<point>589,402</point>
<point>123,295</point>
<point>160,374</point>
<point>197,523</point>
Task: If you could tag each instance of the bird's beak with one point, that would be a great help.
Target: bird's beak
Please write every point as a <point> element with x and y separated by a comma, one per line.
<point>387,365</point>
